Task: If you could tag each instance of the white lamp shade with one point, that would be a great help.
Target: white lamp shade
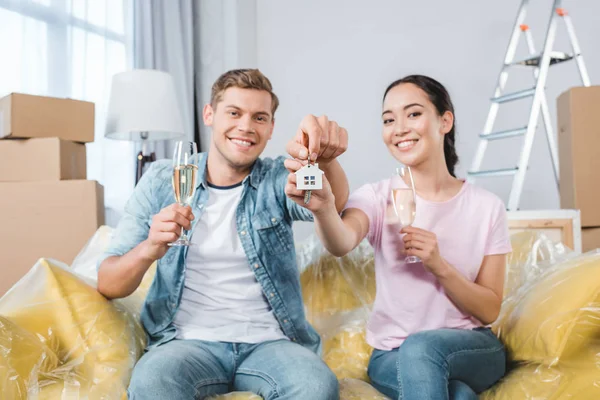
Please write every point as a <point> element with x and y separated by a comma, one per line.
<point>143,101</point>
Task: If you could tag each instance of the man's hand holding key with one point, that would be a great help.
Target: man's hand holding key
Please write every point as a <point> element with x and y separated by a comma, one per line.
<point>324,141</point>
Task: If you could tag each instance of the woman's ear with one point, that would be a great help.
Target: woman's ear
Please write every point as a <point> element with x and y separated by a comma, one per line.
<point>447,122</point>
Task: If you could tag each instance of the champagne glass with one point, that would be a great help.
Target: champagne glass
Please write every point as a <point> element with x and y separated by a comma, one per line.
<point>404,201</point>
<point>185,174</point>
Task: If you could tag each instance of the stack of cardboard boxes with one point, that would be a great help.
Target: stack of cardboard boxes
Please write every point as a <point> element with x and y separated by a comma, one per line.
<point>47,207</point>
<point>579,154</point>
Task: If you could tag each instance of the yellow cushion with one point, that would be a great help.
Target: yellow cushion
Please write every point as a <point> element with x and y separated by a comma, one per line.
<point>555,315</point>
<point>22,354</point>
<point>338,294</point>
<point>96,343</point>
<point>332,285</point>
<point>518,260</point>
<point>580,380</point>
<point>347,353</point>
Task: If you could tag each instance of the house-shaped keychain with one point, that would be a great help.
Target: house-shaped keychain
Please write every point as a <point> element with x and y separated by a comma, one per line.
<point>309,177</point>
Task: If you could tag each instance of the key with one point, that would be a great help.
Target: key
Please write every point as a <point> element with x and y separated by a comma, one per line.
<point>308,192</point>
<point>307,196</point>
<point>309,178</point>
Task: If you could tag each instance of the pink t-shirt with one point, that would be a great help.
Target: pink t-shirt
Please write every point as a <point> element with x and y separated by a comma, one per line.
<point>409,299</point>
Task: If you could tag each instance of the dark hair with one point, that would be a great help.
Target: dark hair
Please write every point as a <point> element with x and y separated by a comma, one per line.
<point>440,98</point>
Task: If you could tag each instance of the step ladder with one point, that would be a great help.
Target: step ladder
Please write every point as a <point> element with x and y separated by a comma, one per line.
<point>540,63</point>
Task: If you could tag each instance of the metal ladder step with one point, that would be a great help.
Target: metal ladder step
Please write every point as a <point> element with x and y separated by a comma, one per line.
<point>538,62</point>
<point>556,57</point>
<point>504,134</point>
<point>514,96</point>
<point>495,172</point>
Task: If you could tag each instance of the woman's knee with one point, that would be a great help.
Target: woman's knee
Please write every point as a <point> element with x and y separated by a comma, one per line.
<point>418,347</point>
<point>461,391</point>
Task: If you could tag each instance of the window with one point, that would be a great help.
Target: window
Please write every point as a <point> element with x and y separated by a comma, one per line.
<point>72,48</point>
<point>309,180</point>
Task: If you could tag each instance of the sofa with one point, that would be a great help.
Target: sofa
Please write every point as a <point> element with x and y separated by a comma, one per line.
<point>60,339</point>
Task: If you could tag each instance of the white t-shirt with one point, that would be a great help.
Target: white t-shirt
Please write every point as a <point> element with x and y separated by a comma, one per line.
<point>222,300</point>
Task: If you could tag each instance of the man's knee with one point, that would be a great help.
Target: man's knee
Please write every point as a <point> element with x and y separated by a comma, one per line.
<point>319,383</point>
<point>152,377</point>
<point>144,385</point>
<point>162,372</point>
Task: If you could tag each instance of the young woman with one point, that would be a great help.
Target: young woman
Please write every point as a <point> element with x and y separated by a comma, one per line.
<point>428,325</point>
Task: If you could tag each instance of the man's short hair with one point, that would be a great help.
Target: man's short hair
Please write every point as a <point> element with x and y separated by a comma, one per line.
<point>243,79</point>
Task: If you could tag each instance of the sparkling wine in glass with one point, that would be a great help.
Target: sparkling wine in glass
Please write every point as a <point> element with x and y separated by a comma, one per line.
<point>404,201</point>
<point>185,175</point>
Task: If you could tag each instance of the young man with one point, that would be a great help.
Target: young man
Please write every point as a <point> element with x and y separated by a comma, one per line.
<point>226,313</point>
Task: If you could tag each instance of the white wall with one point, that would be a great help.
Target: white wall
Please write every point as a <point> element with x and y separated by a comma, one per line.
<point>227,38</point>
<point>336,57</point>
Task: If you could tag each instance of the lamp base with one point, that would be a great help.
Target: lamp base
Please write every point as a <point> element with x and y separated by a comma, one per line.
<point>141,162</point>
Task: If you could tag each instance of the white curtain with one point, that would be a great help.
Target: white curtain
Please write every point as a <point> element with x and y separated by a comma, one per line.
<point>164,40</point>
<point>72,48</point>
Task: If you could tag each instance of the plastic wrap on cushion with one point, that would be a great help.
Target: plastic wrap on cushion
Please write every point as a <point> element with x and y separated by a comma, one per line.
<point>578,379</point>
<point>338,294</point>
<point>549,322</point>
<point>555,312</point>
<point>75,343</point>
<point>86,265</point>
<point>86,262</point>
<point>23,359</point>
<point>531,253</point>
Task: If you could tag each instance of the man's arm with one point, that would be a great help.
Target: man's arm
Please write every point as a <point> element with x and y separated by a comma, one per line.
<point>120,276</point>
<point>136,243</point>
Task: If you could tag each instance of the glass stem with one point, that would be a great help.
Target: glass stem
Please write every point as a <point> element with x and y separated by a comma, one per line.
<point>182,235</point>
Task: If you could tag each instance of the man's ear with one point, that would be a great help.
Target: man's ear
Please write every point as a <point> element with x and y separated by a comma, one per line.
<point>207,115</point>
<point>447,122</point>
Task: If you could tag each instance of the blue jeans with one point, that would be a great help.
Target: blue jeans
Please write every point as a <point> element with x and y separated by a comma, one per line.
<point>194,369</point>
<point>439,365</point>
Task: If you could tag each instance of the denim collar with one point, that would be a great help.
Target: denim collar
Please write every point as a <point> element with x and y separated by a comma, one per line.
<point>254,178</point>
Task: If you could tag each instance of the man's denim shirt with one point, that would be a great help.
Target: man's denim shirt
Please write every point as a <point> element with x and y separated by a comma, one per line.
<point>264,219</point>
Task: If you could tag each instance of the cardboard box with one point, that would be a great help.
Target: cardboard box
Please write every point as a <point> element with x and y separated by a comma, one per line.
<point>47,159</point>
<point>45,219</point>
<point>579,152</point>
<point>590,238</point>
<point>28,116</point>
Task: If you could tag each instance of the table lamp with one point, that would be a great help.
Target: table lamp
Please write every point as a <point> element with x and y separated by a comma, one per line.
<point>143,107</point>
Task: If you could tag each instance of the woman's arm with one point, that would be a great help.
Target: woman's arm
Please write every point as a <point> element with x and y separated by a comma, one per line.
<point>340,235</point>
<point>481,299</point>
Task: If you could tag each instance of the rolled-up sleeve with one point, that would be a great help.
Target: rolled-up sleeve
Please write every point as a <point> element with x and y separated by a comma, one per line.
<point>134,226</point>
